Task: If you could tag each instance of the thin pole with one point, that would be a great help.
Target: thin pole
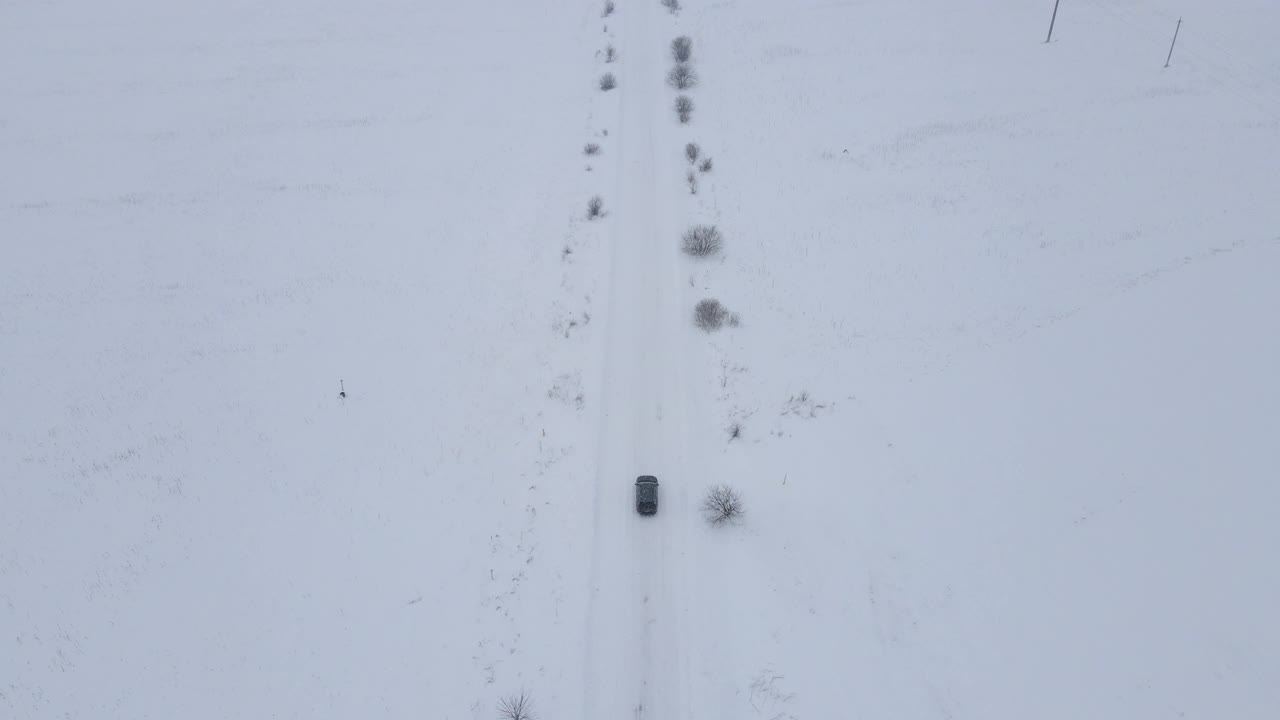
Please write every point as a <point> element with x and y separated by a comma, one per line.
<point>1175,42</point>
<point>1052,20</point>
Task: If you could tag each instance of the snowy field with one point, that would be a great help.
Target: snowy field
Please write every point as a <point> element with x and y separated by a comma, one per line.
<point>1004,387</point>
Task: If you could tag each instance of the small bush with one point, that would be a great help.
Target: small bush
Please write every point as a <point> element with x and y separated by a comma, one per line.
<point>709,314</point>
<point>722,504</point>
<point>705,166</point>
<point>608,8</point>
<point>735,320</point>
<point>610,54</point>
<point>684,109</point>
<point>672,5</point>
<point>591,149</point>
<point>516,707</point>
<point>682,48</point>
<point>682,77</point>
<point>608,82</point>
<point>735,431</point>
<point>702,240</point>
<point>692,179</point>
<point>595,208</point>
<point>803,405</point>
<point>691,152</point>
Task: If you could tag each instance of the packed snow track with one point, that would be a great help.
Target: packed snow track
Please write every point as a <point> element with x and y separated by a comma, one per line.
<point>638,634</point>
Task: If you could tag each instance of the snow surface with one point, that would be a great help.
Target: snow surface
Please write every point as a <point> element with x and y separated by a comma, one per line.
<point>1005,374</point>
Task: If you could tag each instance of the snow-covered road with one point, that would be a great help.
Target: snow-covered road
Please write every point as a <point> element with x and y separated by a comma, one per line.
<point>638,632</point>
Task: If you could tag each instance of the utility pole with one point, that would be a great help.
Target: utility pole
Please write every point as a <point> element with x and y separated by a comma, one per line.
<point>1052,20</point>
<point>1175,42</point>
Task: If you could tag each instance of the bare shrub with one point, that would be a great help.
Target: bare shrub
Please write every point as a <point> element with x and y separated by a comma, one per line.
<point>682,48</point>
<point>735,320</point>
<point>591,149</point>
<point>722,504</point>
<point>608,8</point>
<point>766,690</point>
<point>672,5</point>
<point>610,54</point>
<point>608,82</point>
<point>735,431</point>
<point>702,240</point>
<point>682,77</point>
<point>692,179</point>
<point>568,390</point>
<point>684,108</point>
<point>595,208</point>
<point>705,166</point>
<point>803,405</point>
<point>516,707</point>
<point>565,323</point>
<point>691,152</point>
<point>709,314</point>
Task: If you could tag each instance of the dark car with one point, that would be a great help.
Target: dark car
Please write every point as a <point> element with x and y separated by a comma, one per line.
<point>646,494</point>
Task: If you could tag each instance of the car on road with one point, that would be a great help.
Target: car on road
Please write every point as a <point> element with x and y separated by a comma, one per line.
<point>646,494</point>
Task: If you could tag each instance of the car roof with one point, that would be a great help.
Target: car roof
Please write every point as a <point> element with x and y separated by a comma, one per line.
<point>646,479</point>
